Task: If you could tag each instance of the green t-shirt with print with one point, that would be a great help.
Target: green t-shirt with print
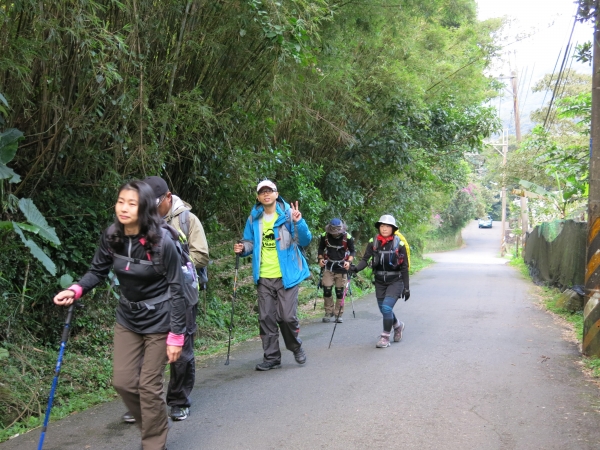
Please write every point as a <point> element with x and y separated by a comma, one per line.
<point>269,260</point>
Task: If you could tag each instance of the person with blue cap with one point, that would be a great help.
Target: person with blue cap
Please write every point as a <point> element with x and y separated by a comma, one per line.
<point>335,254</point>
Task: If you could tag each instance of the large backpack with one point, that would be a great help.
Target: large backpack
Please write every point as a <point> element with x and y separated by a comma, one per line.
<point>184,226</point>
<point>406,246</point>
<point>190,276</point>
<point>344,245</point>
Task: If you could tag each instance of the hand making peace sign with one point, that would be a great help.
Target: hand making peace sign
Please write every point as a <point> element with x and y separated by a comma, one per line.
<point>296,215</point>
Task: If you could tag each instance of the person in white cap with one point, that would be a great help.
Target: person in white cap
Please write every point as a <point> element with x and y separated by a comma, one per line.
<point>274,233</point>
<point>390,268</point>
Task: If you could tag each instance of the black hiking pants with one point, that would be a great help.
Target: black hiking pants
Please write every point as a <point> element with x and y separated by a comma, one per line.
<point>183,375</point>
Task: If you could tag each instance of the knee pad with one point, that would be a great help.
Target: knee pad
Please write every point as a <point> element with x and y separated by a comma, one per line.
<point>386,309</point>
<point>327,291</point>
<point>339,293</point>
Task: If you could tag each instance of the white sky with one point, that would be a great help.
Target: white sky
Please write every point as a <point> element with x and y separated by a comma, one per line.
<point>548,24</point>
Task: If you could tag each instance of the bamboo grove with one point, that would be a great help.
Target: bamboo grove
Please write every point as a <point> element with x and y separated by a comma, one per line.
<point>354,107</point>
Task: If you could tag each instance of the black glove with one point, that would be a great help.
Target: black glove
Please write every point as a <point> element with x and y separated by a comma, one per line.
<point>352,269</point>
<point>406,294</point>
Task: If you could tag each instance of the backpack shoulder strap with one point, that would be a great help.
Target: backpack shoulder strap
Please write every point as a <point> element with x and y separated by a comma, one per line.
<point>184,222</point>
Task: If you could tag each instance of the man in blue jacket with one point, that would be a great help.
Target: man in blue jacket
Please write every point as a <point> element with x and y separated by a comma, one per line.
<point>273,234</point>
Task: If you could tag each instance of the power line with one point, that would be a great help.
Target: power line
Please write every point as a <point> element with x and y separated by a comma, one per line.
<point>551,77</point>
<point>564,86</point>
<point>562,67</point>
<point>520,88</point>
<point>529,86</point>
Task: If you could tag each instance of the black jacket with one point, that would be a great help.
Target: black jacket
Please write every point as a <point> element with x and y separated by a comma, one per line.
<point>384,265</point>
<point>139,282</point>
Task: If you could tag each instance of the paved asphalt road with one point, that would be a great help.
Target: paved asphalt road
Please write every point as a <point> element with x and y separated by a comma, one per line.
<point>480,367</point>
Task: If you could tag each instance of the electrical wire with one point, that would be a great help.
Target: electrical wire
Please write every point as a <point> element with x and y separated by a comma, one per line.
<point>520,88</point>
<point>562,67</point>
<point>529,86</point>
<point>568,73</point>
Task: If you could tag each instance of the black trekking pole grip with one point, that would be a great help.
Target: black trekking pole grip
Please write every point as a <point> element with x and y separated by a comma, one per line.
<point>67,329</point>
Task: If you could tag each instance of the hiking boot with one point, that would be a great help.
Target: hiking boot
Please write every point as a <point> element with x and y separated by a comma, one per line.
<point>178,413</point>
<point>398,332</point>
<point>300,356</point>
<point>328,318</point>
<point>128,417</point>
<point>339,320</point>
<point>384,341</point>
<point>268,365</point>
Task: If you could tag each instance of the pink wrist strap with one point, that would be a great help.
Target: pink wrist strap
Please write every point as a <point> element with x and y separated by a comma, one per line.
<point>77,289</point>
<point>175,339</point>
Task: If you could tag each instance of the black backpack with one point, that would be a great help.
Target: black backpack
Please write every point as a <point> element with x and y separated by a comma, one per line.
<point>190,276</point>
<point>184,225</point>
<point>394,252</point>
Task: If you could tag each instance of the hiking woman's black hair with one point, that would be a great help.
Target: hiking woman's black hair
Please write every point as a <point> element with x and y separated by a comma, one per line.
<point>148,217</point>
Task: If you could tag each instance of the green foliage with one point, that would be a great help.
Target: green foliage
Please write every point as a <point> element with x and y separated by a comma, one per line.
<point>593,364</point>
<point>36,222</point>
<point>459,211</point>
<point>9,142</point>
<point>559,174</point>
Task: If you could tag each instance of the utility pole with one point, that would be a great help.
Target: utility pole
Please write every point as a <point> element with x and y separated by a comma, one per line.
<point>504,152</point>
<point>524,214</point>
<point>591,310</point>
<point>516,105</point>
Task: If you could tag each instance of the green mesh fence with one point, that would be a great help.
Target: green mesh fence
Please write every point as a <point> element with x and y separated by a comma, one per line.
<point>555,253</point>
<point>550,230</point>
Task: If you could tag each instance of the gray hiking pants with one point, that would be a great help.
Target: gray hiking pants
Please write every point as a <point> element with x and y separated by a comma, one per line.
<point>277,309</point>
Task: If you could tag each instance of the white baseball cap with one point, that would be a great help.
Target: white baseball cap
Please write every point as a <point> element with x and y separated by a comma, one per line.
<point>266,183</point>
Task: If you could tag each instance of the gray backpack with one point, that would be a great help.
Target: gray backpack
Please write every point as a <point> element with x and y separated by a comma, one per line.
<point>184,225</point>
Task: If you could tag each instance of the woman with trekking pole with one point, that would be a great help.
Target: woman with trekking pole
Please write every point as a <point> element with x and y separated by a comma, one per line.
<point>151,319</point>
<point>390,268</point>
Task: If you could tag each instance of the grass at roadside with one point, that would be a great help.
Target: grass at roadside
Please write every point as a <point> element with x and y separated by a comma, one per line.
<point>550,296</point>
<point>418,263</point>
<point>444,243</point>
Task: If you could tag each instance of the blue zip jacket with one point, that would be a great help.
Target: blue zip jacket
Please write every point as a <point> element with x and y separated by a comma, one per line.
<point>288,236</point>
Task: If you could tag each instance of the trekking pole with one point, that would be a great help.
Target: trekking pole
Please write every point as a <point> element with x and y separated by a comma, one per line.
<point>352,303</point>
<point>318,287</point>
<point>351,297</point>
<point>63,343</point>
<point>237,266</point>
<point>340,310</point>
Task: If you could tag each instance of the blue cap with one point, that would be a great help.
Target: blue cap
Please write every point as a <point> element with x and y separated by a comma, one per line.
<point>335,222</point>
